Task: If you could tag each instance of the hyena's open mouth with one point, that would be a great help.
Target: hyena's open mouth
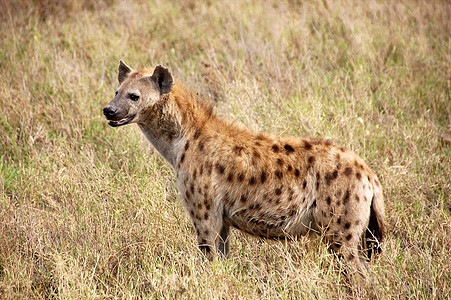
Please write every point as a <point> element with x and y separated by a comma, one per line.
<point>121,122</point>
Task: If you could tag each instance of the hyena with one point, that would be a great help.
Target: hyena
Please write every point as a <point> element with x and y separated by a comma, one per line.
<point>267,186</point>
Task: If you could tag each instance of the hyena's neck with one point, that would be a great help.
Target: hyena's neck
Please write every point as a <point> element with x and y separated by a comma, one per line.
<point>162,127</point>
<point>175,119</point>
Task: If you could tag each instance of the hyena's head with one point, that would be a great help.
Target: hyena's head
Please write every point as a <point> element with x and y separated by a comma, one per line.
<point>137,91</point>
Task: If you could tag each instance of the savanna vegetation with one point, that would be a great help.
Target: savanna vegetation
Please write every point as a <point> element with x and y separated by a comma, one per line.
<point>89,211</point>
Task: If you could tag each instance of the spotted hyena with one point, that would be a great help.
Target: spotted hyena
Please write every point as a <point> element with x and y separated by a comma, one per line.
<point>267,186</point>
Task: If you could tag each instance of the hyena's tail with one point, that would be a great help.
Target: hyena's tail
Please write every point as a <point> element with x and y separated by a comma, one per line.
<point>376,227</point>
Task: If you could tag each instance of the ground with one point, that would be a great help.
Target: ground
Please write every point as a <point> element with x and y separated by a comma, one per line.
<point>90,211</point>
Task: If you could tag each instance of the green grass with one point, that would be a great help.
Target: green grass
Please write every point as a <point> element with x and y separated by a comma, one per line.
<point>88,211</point>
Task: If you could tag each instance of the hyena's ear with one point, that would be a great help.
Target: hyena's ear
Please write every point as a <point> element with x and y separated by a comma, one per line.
<point>124,71</point>
<point>163,78</point>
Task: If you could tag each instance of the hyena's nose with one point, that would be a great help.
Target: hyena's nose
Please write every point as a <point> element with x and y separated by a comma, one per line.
<point>109,111</point>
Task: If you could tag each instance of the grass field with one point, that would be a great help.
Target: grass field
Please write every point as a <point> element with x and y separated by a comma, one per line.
<point>89,211</point>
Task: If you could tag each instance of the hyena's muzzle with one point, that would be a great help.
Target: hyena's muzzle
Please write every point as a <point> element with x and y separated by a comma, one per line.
<point>117,115</point>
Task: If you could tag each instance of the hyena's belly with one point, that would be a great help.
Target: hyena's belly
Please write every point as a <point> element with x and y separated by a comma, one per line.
<point>256,226</point>
<point>271,224</point>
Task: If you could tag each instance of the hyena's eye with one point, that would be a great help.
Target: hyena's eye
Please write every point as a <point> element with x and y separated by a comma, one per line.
<point>115,94</point>
<point>134,97</point>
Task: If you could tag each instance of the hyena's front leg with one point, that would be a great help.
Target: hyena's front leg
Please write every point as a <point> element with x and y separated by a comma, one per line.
<point>211,233</point>
<point>223,241</point>
<point>206,211</point>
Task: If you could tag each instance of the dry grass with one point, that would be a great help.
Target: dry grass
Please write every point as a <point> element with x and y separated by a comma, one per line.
<point>87,211</point>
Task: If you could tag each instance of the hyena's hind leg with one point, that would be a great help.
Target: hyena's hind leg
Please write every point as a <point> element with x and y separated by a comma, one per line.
<point>346,243</point>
